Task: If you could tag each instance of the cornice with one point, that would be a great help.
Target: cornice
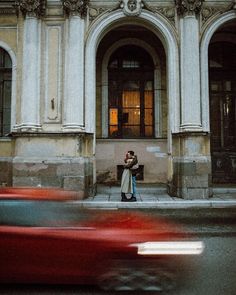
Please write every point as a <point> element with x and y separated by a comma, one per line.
<point>7,7</point>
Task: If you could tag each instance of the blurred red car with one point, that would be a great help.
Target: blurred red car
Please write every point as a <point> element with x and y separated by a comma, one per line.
<point>60,242</point>
<point>38,193</point>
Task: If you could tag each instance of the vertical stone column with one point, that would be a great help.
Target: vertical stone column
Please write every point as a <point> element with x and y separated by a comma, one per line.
<point>189,65</point>
<point>30,99</point>
<point>191,147</point>
<point>73,119</point>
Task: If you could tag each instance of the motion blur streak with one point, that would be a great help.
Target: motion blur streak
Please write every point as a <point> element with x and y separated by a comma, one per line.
<point>170,248</point>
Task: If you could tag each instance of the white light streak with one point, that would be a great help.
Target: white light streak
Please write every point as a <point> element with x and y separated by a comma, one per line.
<point>170,248</point>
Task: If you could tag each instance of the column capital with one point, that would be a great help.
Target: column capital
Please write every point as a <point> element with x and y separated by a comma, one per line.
<point>76,7</point>
<point>188,7</point>
<point>33,8</point>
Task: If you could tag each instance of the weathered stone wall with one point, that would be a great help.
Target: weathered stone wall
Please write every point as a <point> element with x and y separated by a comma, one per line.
<point>6,153</point>
<point>54,161</point>
<point>151,153</point>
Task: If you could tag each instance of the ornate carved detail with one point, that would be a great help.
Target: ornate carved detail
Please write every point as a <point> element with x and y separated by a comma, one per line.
<point>188,7</point>
<point>34,8</point>
<point>233,5</point>
<point>76,7</point>
<point>94,12</point>
<point>168,12</point>
<point>131,7</point>
<point>210,11</point>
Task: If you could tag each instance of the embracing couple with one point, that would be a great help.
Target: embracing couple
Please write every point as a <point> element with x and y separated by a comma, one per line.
<point>128,180</point>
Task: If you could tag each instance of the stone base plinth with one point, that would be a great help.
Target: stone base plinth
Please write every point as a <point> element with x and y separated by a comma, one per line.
<point>191,164</point>
<point>53,160</point>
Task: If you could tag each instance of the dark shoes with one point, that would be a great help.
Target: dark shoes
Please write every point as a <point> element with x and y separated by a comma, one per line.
<point>125,199</point>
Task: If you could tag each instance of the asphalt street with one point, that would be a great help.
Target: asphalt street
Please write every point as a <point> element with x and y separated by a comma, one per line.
<point>214,270</point>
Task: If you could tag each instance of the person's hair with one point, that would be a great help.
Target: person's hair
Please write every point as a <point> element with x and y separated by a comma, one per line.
<point>131,153</point>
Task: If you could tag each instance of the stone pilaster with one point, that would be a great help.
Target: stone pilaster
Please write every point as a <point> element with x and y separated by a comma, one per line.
<point>189,65</point>
<point>191,147</point>
<point>30,98</point>
<point>74,69</point>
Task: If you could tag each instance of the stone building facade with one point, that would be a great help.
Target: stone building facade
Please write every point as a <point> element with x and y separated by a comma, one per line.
<point>82,82</point>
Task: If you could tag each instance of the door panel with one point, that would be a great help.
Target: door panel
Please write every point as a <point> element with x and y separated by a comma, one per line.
<point>223,131</point>
<point>222,89</point>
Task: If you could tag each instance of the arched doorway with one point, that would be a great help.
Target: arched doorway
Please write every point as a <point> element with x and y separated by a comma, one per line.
<point>162,33</point>
<point>131,103</point>
<point>222,95</point>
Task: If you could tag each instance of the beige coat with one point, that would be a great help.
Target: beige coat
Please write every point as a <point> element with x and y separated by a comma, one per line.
<point>126,182</point>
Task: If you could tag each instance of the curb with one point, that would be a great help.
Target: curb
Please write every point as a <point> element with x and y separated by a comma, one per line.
<point>158,205</point>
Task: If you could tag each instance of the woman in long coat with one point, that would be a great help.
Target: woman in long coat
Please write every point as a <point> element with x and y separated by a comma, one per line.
<point>127,186</point>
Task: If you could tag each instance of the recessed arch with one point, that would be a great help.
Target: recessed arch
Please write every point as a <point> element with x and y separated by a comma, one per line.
<point>162,30</point>
<point>12,55</point>
<point>205,41</point>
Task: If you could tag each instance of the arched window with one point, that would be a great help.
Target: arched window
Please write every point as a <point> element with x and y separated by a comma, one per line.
<point>5,92</point>
<point>130,90</point>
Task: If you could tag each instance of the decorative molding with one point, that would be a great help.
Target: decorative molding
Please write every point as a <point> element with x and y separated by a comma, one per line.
<point>132,7</point>
<point>76,7</point>
<point>33,8</point>
<point>209,11</point>
<point>168,12</point>
<point>188,7</point>
<point>170,40</point>
<point>53,64</point>
<point>7,10</point>
<point>94,12</point>
<point>233,5</point>
<point>7,7</point>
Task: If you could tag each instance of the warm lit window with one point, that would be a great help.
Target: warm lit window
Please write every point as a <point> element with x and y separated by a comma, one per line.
<point>5,92</point>
<point>131,94</point>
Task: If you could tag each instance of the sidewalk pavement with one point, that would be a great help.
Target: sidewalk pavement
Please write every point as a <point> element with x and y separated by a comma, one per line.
<point>153,197</point>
